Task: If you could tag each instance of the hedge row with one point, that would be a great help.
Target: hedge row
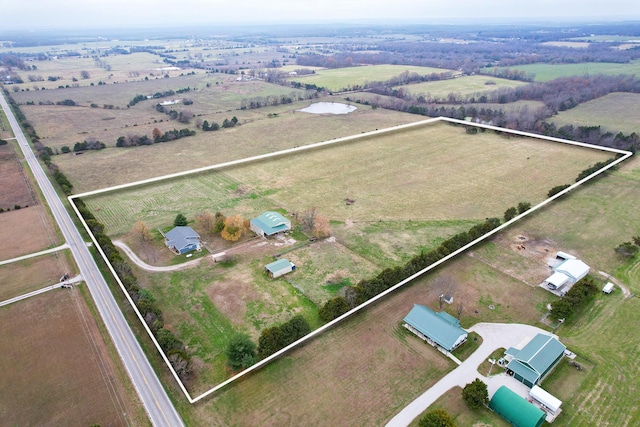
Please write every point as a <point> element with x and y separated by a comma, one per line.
<point>143,299</point>
<point>368,288</point>
<point>574,299</point>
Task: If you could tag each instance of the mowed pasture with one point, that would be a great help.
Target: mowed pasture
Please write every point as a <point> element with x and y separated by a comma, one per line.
<point>407,175</point>
<point>56,366</point>
<point>622,114</point>
<point>344,78</point>
<point>546,72</point>
<point>259,134</point>
<point>461,86</point>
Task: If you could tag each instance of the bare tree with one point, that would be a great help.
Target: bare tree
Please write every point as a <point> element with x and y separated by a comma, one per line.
<point>85,74</point>
<point>321,227</point>
<point>309,218</point>
<point>141,232</point>
<point>207,222</point>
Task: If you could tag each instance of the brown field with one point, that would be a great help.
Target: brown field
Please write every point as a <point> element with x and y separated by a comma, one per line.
<point>381,369</point>
<point>31,227</point>
<point>21,277</point>
<point>261,135</point>
<point>16,190</point>
<point>56,366</point>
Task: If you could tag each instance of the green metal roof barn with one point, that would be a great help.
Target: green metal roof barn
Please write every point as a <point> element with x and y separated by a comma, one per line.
<point>536,359</point>
<point>515,409</point>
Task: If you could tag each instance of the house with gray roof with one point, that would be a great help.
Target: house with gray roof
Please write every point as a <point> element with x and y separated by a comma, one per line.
<point>182,239</point>
<point>438,329</point>
<point>536,359</point>
<point>269,223</point>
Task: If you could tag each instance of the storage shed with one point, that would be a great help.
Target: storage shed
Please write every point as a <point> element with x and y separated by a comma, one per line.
<point>546,399</point>
<point>556,280</point>
<point>515,409</point>
<point>279,268</point>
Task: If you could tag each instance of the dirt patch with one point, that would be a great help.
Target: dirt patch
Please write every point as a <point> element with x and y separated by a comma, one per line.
<point>16,189</point>
<point>231,297</point>
<point>29,228</point>
<point>56,368</point>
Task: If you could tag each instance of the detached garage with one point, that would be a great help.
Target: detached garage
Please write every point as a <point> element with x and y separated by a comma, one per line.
<point>515,409</point>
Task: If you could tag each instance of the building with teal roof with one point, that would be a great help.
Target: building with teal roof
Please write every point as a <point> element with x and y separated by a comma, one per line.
<point>531,364</point>
<point>440,328</point>
<point>515,409</point>
<point>269,223</point>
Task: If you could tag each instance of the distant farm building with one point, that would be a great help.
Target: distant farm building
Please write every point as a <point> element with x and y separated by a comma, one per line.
<point>515,409</point>
<point>269,224</point>
<point>279,268</point>
<point>441,330</point>
<point>531,364</point>
<point>182,239</point>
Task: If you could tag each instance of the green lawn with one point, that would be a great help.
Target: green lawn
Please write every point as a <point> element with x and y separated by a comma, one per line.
<point>546,72</point>
<point>461,86</point>
<point>338,79</point>
<point>622,114</point>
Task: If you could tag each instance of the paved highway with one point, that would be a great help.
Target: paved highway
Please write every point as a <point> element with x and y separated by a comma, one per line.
<point>154,398</point>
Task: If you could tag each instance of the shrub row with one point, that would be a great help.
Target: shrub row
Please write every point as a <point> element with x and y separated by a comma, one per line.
<point>368,288</point>
<point>278,337</point>
<point>143,299</point>
<point>578,295</point>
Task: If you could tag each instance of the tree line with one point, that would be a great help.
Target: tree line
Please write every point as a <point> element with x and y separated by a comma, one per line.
<point>157,136</point>
<point>174,349</point>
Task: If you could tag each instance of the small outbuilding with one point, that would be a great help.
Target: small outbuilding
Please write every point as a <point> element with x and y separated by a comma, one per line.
<point>608,288</point>
<point>279,268</point>
<point>438,329</point>
<point>536,359</point>
<point>182,239</point>
<point>269,223</point>
<point>546,399</point>
<point>556,280</point>
<point>515,409</point>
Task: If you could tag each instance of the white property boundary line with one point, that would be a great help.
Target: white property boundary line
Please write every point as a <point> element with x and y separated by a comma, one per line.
<point>624,155</point>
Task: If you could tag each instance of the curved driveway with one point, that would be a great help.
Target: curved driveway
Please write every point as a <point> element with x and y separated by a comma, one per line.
<point>143,265</point>
<point>494,336</point>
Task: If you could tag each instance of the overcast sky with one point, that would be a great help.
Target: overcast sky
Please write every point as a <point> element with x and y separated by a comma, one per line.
<point>33,14</point>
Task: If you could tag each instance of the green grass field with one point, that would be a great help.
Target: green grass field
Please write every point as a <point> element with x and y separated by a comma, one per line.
<point>388,187</point>
<point>546,72</point>
<point>621,113</point>
<point>466,85</point>
<point>343,78</point>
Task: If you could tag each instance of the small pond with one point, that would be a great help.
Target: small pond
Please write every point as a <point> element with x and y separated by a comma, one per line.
<point>328,108</point>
